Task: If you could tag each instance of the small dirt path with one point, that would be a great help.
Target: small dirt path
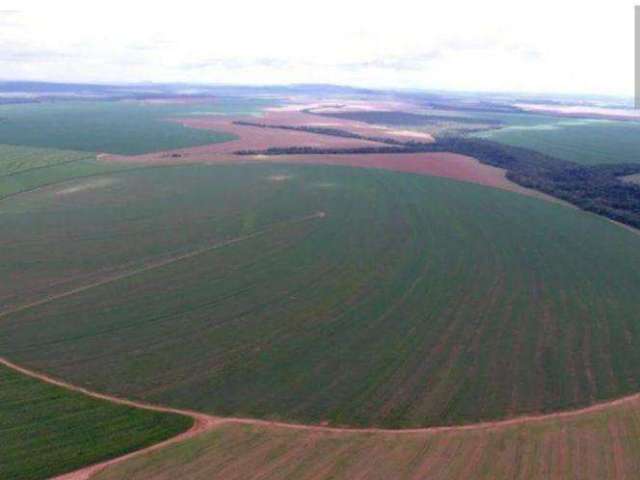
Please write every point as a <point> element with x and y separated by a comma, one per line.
<point>157,264</point>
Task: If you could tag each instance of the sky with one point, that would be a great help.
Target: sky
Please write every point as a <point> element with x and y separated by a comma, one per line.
<point>559,46</point>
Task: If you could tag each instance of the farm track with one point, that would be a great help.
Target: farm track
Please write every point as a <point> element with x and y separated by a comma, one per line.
<point>158,264</point>
<point>204,422</point>
<point>201,423</point>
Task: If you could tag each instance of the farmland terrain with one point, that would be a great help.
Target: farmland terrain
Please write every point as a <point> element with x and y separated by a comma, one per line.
<point>600,188</point>
<point>591,445</point>
<point>289,266</point>
<point>584,141</point>
<point>111,127</point>
<point>375,283</point>
<point>48,430</point>
<point>27,168</point>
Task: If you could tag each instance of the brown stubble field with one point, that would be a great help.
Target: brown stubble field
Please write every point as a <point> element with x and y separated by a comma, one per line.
<point>448,165</point>
<point>249,138</point>
<point>298,117</point>
<point>597,443</point>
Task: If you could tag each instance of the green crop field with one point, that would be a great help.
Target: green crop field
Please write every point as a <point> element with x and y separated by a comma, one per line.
<point>29,168</point>
<point>584,141</point>
<point>46,430</point>
<point>122,127</point>
<point>15,160</point>
<point>412,301</point>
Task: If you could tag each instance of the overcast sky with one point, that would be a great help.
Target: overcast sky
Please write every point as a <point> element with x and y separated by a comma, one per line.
<point>572,46</point>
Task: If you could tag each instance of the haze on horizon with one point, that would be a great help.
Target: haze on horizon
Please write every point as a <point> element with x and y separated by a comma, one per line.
<point>545,46</point>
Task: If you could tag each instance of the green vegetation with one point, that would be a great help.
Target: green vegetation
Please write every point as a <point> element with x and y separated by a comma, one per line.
<point>47,430</point>
<point>599,189</point>
<point>508,118</point>
<point>120,127</point>
<point>404,119</point>
<point>584,141</point>
<point>14,160</point>
<point>414,301</point>
<point>28,168</point>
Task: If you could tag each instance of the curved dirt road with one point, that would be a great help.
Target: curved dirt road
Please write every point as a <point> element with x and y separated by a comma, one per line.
<point>204,422</point>
<point>201,421</point>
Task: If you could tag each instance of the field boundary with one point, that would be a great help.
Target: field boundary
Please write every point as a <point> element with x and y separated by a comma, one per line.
<point>204,422</point>
<point>201,421</point>
<point>129,168</point>
<point>42,167</point>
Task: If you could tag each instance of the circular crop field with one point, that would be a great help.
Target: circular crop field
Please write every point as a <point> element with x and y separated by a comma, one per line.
<point>320,294</point>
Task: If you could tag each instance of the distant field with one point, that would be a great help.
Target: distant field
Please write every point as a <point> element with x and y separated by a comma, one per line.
<point>592,446</point>
<point>584,141</point>
<point>27,168</point>
<point>401,118</point>
<point>505,118</point>
<point>122,127</point>
<point>414,300</point>
<point>14,160</point>
<point>46,430</point>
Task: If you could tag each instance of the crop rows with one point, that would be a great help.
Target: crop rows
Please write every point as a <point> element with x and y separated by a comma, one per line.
<point>590,446</point>
<point>46,430</point>
<point>588,142</point>
<point>414,301</point>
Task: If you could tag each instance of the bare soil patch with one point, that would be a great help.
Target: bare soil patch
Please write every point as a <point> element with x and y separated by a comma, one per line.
<point>297,118</point>
<point>447,165</point>
<point>257,138</point>
<point>86,185</point>
<point>249,138</point>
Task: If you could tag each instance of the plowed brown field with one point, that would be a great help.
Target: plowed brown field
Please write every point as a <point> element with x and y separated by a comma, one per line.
<point>596,444</point>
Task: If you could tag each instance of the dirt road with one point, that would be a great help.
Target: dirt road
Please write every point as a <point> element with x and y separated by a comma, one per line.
<point>204,422</point>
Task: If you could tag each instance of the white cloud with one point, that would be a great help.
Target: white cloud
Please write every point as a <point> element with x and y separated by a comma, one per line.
<point>568,46</point>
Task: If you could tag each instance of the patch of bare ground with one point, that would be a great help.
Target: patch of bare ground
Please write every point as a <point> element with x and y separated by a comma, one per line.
<point>341,105</point>
<point>590,445</point>
<point>294,118</point>
<point>632,178</point>
<point>249,138</point>
<point>257,138</point>
<point>91,184</point>
<point>448,165</point>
